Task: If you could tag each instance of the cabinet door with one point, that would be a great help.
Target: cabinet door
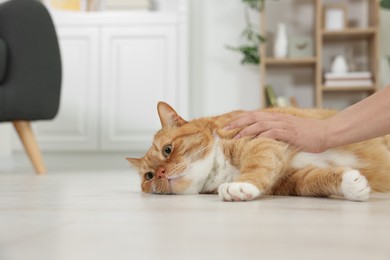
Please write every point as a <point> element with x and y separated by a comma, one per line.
<point>75,127</point>
<point>139,69</point>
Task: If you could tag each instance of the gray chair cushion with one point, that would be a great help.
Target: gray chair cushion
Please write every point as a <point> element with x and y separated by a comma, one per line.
<point>3,59</point>
<point>31,85</point>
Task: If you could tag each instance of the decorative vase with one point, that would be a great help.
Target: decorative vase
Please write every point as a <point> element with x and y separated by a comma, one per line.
<point>339,64</point>
<point>281,44</point>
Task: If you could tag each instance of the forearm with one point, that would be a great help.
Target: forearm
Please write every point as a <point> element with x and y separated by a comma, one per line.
<point>364,120</point>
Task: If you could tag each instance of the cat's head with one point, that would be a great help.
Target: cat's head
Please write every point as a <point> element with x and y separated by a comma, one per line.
<point>180,158</point>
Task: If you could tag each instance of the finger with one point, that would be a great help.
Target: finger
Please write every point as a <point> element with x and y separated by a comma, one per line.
<point>259,127</point>
<point>249,118</point>
<point>276,134</point>
<point>285,136</point>
<point>242,121</point>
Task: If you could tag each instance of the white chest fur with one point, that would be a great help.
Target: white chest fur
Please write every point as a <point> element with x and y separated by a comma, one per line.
<point>207,174</point>
<point>221,172</point>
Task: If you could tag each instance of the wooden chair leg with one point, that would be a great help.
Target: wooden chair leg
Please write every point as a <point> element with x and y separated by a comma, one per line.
<point>26,135</point>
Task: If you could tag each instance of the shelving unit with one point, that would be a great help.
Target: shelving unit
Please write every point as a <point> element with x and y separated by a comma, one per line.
<point>321,38</point>
<point>343,89</point>
<point>356,33</point>
<point>288,62</point>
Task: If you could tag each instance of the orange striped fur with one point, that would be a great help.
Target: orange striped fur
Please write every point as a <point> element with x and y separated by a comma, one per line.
<point>198,157</point>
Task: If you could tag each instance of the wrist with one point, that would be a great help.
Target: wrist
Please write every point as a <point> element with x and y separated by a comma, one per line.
<point>325,136</point>
<point>333,133</point>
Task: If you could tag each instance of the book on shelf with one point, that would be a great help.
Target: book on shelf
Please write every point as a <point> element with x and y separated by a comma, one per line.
<point>348,75</point>
<point>348,79</point>
<point>272,100</point>
<point>270,95</point>
<point>68,5</point>
<point>349,83</point>
<point>127,4</point>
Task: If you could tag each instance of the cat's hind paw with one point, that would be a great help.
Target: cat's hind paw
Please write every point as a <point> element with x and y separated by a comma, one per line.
<point>238,191</point>
<point>355,186</point>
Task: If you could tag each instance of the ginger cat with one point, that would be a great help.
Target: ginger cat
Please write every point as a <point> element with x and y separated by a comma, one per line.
<point>198,157</point>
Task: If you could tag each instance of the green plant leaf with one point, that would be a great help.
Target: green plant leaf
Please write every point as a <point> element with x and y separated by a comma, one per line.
<point>385,4</point>
<point>261,38</point>
<point>250,49</point>
<point>250,53</point>
<point>254,4</point>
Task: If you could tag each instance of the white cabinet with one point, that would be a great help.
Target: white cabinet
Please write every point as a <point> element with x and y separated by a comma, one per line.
<point>140,65</point>
<point>75,126</point>
<point>116,67</point>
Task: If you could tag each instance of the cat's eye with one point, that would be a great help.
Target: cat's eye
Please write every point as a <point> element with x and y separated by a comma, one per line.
<point>167,150</point>
<point>149,176</point>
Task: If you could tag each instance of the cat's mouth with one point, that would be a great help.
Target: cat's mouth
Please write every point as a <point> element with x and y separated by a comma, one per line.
<point>172,181</point>
<point>177,184</point>
<point>169,178</point>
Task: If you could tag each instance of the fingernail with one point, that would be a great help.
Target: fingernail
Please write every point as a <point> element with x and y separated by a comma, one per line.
<point>226,127</point>
<point>237,136</point>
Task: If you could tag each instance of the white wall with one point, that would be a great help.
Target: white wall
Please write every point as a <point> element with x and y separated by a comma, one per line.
<point>218,82</point>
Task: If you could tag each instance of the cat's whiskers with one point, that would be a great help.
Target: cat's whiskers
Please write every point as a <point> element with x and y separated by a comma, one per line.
<point>159,188</point>
<point>189,160</point>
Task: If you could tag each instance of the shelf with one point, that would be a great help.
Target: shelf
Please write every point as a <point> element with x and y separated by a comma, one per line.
<point>357,88</point>
<point>291,61</point>
<point>351,33</point>
<point>326,43</point>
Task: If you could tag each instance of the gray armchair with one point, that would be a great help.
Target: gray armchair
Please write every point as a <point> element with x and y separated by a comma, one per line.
<point>30,70</point>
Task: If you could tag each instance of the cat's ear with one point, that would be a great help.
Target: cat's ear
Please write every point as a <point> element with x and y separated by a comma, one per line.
<point>168,116</point>
<point>135,162</point>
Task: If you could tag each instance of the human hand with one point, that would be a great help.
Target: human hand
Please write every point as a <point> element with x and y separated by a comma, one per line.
<point>305,134</point>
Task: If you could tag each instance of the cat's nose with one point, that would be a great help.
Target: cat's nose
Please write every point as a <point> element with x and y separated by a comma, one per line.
<point>161,173</point>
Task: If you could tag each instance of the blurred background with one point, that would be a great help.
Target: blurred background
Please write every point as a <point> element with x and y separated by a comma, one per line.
<point>120,57</point>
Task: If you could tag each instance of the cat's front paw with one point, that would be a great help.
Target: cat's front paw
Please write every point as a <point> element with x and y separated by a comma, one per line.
<point>238,191</point>
<point>354,186</point>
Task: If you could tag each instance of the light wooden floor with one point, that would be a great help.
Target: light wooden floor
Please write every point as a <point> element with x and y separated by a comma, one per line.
<point>98,212</point>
